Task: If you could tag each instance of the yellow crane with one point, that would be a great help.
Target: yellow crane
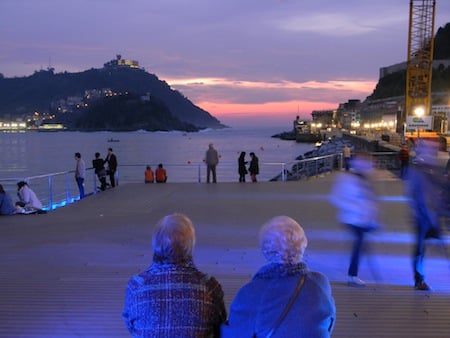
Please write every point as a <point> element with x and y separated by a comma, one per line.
<point>419,66</point>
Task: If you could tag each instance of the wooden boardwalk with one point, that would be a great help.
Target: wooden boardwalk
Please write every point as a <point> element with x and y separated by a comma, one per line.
<point>63,274</point>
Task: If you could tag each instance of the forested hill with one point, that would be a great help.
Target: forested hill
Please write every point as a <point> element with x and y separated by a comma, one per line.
<point>393,84</point>
<point>128,112</point>
<point>20,96</point>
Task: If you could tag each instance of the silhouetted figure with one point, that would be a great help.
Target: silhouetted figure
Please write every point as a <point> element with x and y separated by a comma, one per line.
<point>253,169</point>
<point>347,153</point>
<point>242,169</point>
<point>80,173</point>
<point>111,161</point>
<point>100,170</point>
<point>403,156</point>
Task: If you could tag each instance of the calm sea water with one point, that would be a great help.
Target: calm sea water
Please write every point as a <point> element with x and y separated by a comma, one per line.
<point>30,154</point>
<point>36,153</point>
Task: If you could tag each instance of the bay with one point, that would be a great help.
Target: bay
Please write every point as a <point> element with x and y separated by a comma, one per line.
<point>38,153</point>
<point>31,156</point>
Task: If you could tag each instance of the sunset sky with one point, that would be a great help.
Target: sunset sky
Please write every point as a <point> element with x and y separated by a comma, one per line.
<point>238,59</point>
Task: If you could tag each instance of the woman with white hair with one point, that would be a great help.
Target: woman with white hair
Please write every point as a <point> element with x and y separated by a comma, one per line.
<point>284,298</point>
<point>172,298</point>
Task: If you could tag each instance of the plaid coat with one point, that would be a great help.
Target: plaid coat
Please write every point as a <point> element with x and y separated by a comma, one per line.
<point>173,300</point>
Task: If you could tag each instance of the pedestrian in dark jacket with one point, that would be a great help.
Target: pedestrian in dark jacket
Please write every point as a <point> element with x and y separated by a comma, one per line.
<point>242,169</point>
<point>254,166</point>
<point>100,170</point>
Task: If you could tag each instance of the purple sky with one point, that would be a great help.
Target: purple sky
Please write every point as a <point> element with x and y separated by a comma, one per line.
<point>234,58</point>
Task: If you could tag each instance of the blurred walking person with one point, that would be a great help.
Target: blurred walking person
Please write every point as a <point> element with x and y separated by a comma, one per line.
<point>424,184</point>
<point>354,197</point>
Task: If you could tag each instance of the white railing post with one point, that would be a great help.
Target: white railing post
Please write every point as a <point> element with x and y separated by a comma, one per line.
<point>199,173</point>
<point>68,196</point>
<point>283,172</point>
<point>50,192</point>
<point>95,182</point>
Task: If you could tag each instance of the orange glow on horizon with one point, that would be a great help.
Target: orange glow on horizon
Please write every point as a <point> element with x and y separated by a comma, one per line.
<point>316,95</point>
<point>292,108</point>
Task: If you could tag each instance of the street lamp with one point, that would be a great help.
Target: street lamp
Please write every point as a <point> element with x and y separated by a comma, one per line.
<point>419,112</point>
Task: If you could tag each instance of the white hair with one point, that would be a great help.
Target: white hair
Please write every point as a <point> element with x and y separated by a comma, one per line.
<point>282,240</point>
<point>174,237</point>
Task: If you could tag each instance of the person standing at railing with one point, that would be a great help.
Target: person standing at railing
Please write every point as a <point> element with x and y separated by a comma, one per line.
<point>80,173</point>
<point>100,171</point>
<point>403,156</point>
<point>111,161</point>
<point>347,156</point>
<point>241,167</point>
<point>211,159</point>
<point>254,167</point>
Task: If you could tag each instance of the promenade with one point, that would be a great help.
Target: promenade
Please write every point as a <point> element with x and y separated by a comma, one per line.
<point>63,274</point>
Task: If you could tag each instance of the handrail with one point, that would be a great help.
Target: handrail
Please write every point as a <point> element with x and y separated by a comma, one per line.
<point>59,188</point>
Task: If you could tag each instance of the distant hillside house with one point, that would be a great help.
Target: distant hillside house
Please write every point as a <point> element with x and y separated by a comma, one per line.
<point>120,63</point>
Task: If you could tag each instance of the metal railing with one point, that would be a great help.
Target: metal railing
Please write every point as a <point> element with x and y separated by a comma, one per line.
<point>60,188</point>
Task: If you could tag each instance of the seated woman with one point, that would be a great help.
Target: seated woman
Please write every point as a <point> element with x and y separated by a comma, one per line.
<point>172,298</point>
<point>6,204</point>
<point>28,201</point>
<point>259,305</point>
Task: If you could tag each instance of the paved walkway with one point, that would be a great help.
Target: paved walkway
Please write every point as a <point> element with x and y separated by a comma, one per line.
<point>63,274</point>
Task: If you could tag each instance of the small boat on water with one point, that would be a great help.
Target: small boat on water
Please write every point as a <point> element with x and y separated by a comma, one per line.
<point>113,140</point>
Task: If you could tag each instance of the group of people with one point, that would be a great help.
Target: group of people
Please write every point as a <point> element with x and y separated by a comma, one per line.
<point>159,176</point>
<point>102,167</point>
<point>253,168</point>
<point>172,298</point>
<point>27,203</point>
<point>427,187</point>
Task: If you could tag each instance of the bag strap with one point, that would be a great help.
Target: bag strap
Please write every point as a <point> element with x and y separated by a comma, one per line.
<point>288,306</point>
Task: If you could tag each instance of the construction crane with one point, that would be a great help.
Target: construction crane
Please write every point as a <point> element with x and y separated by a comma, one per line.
<point>419,66</point>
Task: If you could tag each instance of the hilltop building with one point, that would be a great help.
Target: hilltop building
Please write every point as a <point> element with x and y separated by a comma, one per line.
<point>122,63</point>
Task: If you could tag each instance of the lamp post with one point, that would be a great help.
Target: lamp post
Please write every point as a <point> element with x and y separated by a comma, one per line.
<point>419,112</point>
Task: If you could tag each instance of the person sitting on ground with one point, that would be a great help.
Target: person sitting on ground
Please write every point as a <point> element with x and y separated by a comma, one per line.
<point>259,305</point>
<point>6,204</point>
<point>160,174</point>
<point>172,298</point>
<point>28,201</point>
<point>148,175</point>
